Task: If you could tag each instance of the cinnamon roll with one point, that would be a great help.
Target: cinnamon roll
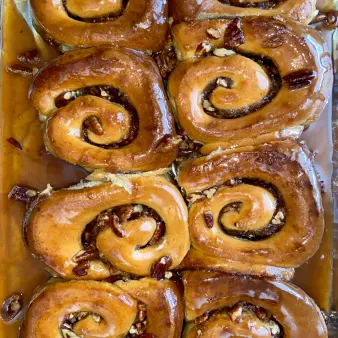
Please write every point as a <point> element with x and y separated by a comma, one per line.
<point>242,78</point>
<point>299,10</point>
<point>221,305</point>
<point>137,24</point>
<point>105,108</point>
<point>133,225</point>
<point>142,308</point>
<point>254,210</point>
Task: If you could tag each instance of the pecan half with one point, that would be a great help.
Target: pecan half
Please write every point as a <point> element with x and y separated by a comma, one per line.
<point>14,143</point>
<point>299,79</point>
<point>209,219</point>
<point>159,268</point>
<point>234,35</point>
<point>30,57</point>
<point>94,125</point>
<point>12,306</point>
<point>17,69</point>
<point>87,254</point>
<point>81,269</point>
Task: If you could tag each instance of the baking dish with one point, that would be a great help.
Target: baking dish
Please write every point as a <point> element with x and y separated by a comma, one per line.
<point>21,273</point>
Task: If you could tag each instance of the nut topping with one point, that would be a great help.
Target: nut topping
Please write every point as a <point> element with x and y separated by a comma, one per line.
<point>82,268</point>
<point>299,79</point>
<point>209,219</point>
<point>201,319</point>
<point>17,69</point>
<point>208,106</point>
<point>223,52</point>
<point>159,268</point>
<point>88,254</point>
<point>234,35</point>
<point>14,143</point>
<point>203,48</point>
<point>223,82</point>
<point>68,334</point>
<point>30,57</point>
<point>279,217</point>
<point>11,307</point>
<point>22,194</point>
<point>94,125</point>
<point>214,33</point>
<point>236,313</point>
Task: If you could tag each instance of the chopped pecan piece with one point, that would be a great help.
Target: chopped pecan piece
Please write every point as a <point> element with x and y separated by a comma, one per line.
<point>124,213</point>
<point>159,268</point>
<point>163,64</point>
<point>201,319</point>
<point>214,33</point>
<point>209,219</point>
<point>94,125</point>
<point>203,48</point>
<point>14,143</point>
<point>22,194</point>
<point>11,306</point>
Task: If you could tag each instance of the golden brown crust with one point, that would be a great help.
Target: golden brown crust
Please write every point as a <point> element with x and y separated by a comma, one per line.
<point>141,24</point>
<point>165,312</point>
<point>55,225</point>
<point>266,209</point>
<point>300,10</point>
<point>296,52</point>
<point>116,304</point>
<point>138,130</point>
<point>204,292</point>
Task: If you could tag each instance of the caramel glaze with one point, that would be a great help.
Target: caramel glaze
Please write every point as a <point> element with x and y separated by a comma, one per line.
<point>296,312</point>
<point>299,50</point>
<point>286,166</point>
<point>300,10</point>
<point>135,75</point>
<point>54,227</point>
<point>141,24</point>
<point>19,271</point>
<point>117,311</point>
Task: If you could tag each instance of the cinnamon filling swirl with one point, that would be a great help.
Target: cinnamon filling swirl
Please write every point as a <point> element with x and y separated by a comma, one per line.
<point>240,318</point>
<point>270,4</point>
<point>230,213</point>
<point>93,125</point>
<point>117,219</point>
<point>91,12</point>
<point>220,91</point>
